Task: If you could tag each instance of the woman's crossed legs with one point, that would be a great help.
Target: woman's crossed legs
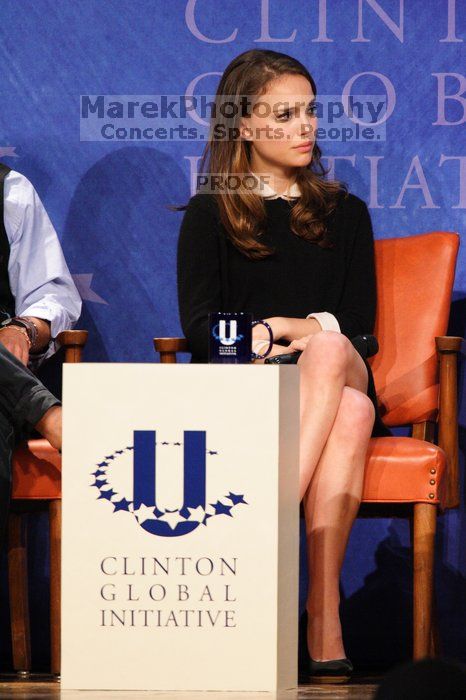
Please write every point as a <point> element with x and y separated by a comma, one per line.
<point>337,418</point>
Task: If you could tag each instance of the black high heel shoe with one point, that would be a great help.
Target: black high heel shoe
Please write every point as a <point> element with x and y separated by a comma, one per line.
<point>333,671</point>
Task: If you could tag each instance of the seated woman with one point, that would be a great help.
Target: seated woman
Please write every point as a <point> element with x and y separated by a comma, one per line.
<point>298,251</point>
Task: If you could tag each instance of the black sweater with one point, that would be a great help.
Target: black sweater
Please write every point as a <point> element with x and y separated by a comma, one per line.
<point>298,279</point>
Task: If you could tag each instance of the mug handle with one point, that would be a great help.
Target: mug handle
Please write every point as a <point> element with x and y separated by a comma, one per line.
<point>255,356</point>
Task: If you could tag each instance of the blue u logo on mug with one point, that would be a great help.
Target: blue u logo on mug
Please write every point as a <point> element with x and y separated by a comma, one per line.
<point>230,338</point>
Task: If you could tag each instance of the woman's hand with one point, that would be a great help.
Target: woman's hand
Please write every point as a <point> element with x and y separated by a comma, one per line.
<point>298,344</point>
<point>276,350</point>
<point>294,346</point>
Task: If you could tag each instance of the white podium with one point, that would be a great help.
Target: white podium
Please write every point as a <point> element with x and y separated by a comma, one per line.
<point>180,527</point>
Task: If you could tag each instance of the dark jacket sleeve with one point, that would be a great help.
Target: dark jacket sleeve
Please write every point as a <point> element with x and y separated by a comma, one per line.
<point>357,306</point>
<point>198,273</point>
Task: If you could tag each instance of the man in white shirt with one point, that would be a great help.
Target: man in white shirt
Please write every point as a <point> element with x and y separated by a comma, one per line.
<point>38,300</point>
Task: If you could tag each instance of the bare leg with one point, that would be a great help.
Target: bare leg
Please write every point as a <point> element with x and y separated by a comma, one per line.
<point>328,364</point>
<point>336,423</point>
<point>50,426</point>
<point>330,505</point>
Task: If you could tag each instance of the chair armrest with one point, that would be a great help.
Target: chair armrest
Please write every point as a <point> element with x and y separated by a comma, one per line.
<point>73,342</point>
<point>168,347</point>
<point>447,349</point>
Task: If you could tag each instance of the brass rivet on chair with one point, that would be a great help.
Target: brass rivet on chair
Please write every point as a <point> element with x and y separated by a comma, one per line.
<point>432,482</point>
<point>431,495</point>
<point>433,471</point>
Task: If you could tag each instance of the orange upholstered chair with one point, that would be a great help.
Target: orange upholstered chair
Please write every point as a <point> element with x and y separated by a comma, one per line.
<point>415,374</point>
<point>36,485</point>
<point>415,377</point>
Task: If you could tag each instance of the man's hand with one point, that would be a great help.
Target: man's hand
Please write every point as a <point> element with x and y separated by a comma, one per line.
<point>17,342</point>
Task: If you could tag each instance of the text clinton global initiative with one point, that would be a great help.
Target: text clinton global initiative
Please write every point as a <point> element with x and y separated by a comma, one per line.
<point>169,593</point>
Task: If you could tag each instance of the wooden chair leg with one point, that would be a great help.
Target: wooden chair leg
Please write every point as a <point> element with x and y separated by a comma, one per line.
<point>55,584</point>
<point>425,520</point>
<point>18,592</point>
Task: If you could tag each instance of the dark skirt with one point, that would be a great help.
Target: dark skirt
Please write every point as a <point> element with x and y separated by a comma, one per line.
<point>379,429</point>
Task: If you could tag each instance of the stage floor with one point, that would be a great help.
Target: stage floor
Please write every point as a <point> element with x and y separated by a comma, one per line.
<point>42,689</point>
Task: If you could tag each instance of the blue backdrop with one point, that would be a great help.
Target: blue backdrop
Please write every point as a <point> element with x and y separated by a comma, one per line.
<point>108,199</point>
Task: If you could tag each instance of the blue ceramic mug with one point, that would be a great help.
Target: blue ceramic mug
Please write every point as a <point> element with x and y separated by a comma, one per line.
<point>230,338</point>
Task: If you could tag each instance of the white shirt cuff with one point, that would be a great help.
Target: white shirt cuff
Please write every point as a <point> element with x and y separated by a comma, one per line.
<point>56,314</point>
<point>327,321</point>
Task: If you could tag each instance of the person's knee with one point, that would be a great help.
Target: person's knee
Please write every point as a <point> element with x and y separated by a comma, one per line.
<point>356,414</point>
<point>327,353</point>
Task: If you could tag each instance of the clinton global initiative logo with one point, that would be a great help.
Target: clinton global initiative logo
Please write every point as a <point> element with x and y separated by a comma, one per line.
<point>226,332</point>
<point>127,480</point>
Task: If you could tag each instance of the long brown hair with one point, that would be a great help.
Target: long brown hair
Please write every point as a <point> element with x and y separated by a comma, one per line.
<point>243,213</point>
